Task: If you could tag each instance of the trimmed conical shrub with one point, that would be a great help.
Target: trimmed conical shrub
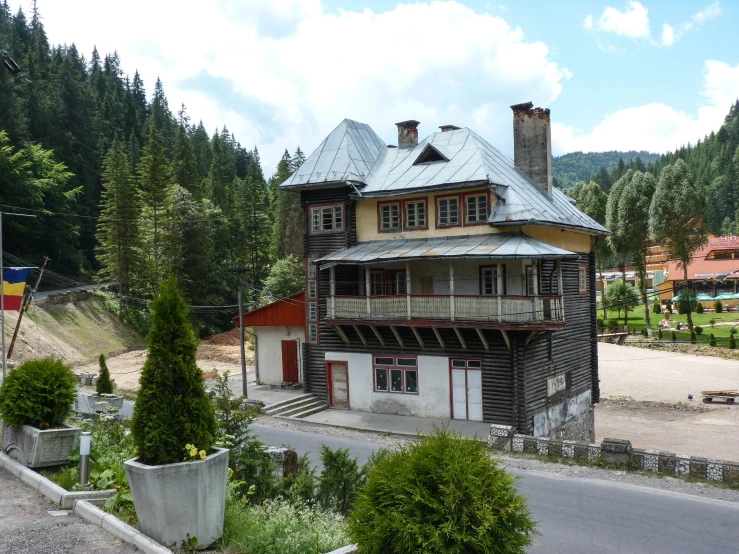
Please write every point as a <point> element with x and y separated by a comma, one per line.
<point>659,334</point>
<point>712,340</point>
<point>172,408</point>
<point>674,336</point>
<point>692,336</point>
<point>732,342</point>
<point>104,384</point>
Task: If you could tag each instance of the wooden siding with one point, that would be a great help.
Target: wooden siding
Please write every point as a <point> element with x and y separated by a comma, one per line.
<point>286,312</point>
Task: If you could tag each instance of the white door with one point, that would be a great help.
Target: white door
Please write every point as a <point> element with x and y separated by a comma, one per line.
<point>339,386</point>
<point>459,393</point>
<point>474,395</point>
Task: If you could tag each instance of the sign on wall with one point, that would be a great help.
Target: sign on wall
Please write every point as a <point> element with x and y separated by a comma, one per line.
<point>556,384</point>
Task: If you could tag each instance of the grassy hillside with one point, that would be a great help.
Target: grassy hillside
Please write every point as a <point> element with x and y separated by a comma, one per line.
<point>579,166</point>
<point>77,332</point>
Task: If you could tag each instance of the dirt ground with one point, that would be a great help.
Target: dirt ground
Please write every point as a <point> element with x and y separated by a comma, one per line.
<point>645,399</point>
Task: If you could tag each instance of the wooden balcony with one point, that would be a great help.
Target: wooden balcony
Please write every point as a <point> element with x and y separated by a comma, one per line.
<point>452,310</point>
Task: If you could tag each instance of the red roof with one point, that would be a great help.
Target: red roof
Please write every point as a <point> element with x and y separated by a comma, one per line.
<point>286,312</point>
<point>701,267</point>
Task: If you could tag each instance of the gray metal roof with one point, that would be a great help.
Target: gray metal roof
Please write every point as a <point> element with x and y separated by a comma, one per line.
<point>471,161</point>
<point>347,154</point>
<point>484,247</point>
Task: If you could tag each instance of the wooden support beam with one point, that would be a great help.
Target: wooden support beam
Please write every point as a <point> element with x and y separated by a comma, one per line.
<point>378,335</point>
<point>506,338</point>
<point>418,337</point>
<point>529,338</point>
<point>397,336</point>
<point>341,333</point>
<point>461,340</point>
<point>359,333</point>
<point>438,337</point>
<point>483,339</point>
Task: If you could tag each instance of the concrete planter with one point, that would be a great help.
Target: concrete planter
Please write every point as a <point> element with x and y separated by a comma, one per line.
<point>174,500</point>
<point>37,448</point>
<point>91,399</point>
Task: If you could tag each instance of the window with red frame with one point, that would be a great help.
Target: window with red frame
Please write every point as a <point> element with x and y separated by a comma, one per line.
<point>447,209</point>
<point>415,214</point>
<point>389,216</point>
<point>476,208</point>
<point>396,374</point>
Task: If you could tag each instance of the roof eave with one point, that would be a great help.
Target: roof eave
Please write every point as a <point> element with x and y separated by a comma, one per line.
<point>317,185</point>
<point>557,224</point>
<point>434,188</point>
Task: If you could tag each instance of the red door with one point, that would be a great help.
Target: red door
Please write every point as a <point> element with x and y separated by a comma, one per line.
<point>290,361</point>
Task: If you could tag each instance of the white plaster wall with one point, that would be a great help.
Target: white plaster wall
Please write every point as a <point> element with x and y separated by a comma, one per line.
<point>269,351</point>
<point>432,399</point>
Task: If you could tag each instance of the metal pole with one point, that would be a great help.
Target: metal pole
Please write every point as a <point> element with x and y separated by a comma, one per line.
<point>2,293</point>
<point>84,477</point>
<point>241,333</point>
<point>24,307</point>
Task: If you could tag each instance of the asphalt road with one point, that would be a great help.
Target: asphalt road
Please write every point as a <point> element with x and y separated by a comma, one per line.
<point>41,295</point>
<point>583,516</point>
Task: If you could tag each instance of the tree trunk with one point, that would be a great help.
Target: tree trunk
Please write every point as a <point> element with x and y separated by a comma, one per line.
<point>626,308</point>
<point>643,277</point>
<point>685,275</point>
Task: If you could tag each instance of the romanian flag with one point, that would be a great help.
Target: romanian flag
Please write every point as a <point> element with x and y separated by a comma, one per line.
<point>14,283</point>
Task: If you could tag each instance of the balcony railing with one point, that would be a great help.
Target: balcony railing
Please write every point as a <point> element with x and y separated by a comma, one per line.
<point>494,309</point>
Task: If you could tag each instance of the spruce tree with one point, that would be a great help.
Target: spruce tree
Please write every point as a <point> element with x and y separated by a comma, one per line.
<point>172,408</point>
<point>118,229</point>
<point>184,163</point>
<point>104,385</point>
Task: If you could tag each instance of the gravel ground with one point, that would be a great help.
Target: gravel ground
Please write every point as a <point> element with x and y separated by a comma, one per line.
<point>27,526</point>
<point>521,464</point>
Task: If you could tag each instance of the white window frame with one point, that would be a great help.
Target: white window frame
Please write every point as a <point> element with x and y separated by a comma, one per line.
<point>493,273</point>
<point>313,333</point>
<point>414,204</point>
<point>478,218</point>
<point>447,200</point>
<point>312,311</point>
<point>319,216</point>
<point>396,217</point>
<point>582,279</point>
<point>395,366</point>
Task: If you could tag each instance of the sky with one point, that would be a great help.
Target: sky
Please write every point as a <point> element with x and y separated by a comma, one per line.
<point>617,75</point>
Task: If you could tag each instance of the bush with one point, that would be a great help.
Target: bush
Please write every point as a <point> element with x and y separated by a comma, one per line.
<point>613,324</point>
<point>686,301</point>
<point>712,340</point>
<point>669,306</point>
<point>732,331</point>
<point>39,393</point>
<point>698,330</point>
<point>171,408</point>
<point>718,306</point>
<point>104,384</point>
<point>659,334</point>
<point>657,309</point>
<point>692,336</point>
<point>732,342</point>
<point>601,323</point>
<point>279,526</point>
<point>443,493</point>
<point>699,308</point>
<point>674,336</point>
<point>340,480</point>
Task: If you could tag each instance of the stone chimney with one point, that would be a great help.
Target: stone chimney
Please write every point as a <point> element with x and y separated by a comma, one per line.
<point>447,128</point>
<point>408,133</point>
<point>532,143</point>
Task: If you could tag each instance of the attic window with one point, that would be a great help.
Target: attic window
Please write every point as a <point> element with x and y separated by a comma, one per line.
<point>430,155</point>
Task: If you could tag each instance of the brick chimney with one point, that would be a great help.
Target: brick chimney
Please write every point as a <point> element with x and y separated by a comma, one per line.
<point>532,143</point>
<point>408,133</point>
<point>447,128</point>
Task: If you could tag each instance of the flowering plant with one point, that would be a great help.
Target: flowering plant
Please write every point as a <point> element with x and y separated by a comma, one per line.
<point>193,453</point>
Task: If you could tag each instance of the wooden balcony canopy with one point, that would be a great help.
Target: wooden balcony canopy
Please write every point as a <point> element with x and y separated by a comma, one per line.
<point>497,246</point>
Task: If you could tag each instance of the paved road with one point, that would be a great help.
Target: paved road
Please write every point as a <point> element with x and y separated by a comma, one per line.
<point>581,516</point>
<point>42,295</point>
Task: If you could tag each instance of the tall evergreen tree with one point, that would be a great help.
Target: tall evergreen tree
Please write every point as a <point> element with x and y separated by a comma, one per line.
<point>118,229</point>
<point>184,163</point>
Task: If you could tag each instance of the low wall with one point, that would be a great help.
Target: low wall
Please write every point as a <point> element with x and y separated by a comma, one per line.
<point>67,297</point>
<point>504,438</point>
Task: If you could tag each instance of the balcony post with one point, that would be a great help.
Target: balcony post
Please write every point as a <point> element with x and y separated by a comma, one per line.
<point>408,287</point>
<point>451,290</point>
<point>367,290</point>
<point>560,290</point>
<point>332,273</point>
<point>501,288</point>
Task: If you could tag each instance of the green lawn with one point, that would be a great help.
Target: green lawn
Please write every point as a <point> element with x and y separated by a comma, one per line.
<point>636,321</point>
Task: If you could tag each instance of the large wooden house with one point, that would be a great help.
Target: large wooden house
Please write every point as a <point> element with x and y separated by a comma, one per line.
<point>444,279</point>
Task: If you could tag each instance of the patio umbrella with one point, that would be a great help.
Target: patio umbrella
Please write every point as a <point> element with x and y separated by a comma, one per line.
<point>675,298</point>
<point>702,297</point>
<point>726,296</point>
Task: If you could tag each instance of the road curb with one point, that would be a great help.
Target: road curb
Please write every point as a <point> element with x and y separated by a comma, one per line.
<point>92,514</point>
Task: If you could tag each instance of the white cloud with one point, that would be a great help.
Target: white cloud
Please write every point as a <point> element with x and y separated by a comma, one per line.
<point>711,11</point>
<point>633,22</point>
<point>668,35</point>
<point>588,23</point>
<point>657,127</point>
<point>286,73</point>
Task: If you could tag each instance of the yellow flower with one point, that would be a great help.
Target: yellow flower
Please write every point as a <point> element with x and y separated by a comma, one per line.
<point>189,447</point>
<point>202,454</point>
<point>193,452</point>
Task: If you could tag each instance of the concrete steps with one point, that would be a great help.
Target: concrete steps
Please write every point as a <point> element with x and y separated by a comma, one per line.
<point>300,406</point>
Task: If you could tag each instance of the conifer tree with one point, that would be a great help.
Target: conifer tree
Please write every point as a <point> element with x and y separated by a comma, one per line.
<point>184,163</point>
<point>118,230</point>
<point>104,385</point>
<point>154,182</point>
<point>172,408</point>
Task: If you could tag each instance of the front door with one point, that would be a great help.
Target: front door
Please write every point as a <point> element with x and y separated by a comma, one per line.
<point>290,361</point>
<point>338,385</point>
<point>467,390</point>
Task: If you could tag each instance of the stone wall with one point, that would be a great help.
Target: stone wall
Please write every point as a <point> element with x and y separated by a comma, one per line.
<point>614,451</point>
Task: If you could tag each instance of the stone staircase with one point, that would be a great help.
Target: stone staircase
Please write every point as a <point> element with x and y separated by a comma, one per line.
<point>300,406</point>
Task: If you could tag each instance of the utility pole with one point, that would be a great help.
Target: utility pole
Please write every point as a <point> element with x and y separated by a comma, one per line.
<point>239,271</point>
<point>24,307</point>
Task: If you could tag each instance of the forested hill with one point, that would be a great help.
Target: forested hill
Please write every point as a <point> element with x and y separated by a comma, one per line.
<point>574,167</point>
<point>127,189</point>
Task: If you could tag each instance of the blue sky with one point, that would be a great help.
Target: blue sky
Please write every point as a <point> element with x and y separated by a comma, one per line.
<point>619,74</point>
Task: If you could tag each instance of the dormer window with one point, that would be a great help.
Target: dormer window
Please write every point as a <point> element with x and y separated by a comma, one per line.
<point>430,154</point>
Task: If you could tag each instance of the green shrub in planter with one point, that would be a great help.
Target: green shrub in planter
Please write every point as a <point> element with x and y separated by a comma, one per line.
<point>718,306</point>
<point>657,308</point>
<point>699,308</point>
<point>674,336</point>
<point>698,330</point>
<point>712,340</point>
<point>172,408</point>
<point>104,384</point>
<point>732,342</point>
<point>39,393</point>
<point>443,493</point>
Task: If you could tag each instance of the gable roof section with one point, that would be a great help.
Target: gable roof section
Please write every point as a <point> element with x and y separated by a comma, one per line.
<point>285,312</point>
<point>347,154</point>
